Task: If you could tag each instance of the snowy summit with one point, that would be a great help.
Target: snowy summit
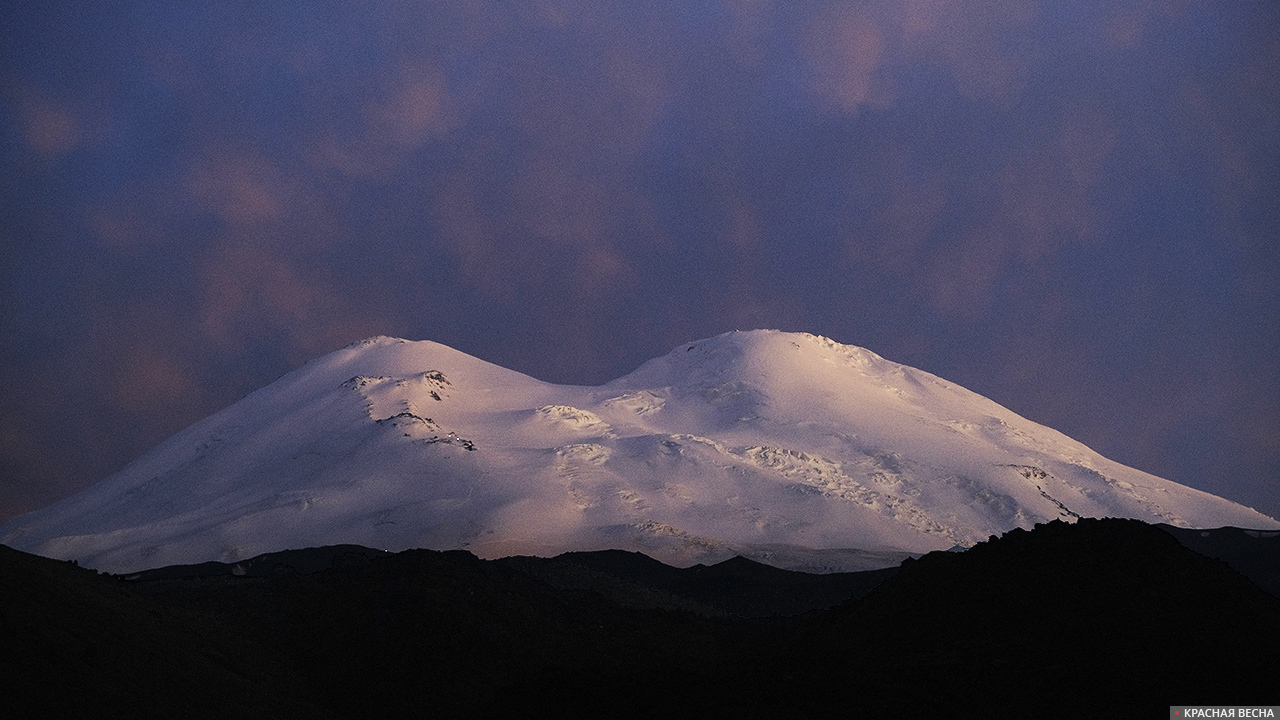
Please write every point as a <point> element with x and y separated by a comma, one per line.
<point>786,448</point>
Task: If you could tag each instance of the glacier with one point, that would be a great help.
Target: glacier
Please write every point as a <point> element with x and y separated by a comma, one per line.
<point>786,448</point>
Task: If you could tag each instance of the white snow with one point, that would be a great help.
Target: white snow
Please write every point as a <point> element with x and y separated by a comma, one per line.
<point>788,448</point>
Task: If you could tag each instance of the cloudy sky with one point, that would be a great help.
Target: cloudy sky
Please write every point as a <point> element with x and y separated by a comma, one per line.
<point>1068,207</point>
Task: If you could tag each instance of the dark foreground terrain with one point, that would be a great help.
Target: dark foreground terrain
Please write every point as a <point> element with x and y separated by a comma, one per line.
<point>1103,618</point>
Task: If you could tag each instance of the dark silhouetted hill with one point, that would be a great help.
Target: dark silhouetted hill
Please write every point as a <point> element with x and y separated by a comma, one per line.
<point>1101,618</point>
<point>80,644</point>
<point>1252,553</point>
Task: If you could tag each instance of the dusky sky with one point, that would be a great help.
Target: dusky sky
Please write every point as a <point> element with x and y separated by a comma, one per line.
<point>1072,208</point>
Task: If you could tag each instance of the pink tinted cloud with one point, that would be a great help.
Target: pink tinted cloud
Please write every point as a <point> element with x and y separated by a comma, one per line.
<point>135,218</point>
<point>1039,203</point>
<point>901,228</point>
<point>50,128</point>
<point>558,202</point>
<point>417,110</point>
<point>1084,141</point>
<point>120,228</point>
<point>961,276</point>
<point>269,202</point>
<point>245,289</point>
<point>560,191</point>
<point>743,227</point>
<point>1045,196</point>
<point>143,365</point>
<point>854,49</point>
<point>845,46</point>
<point>555,193</point>
<point>414,109</point>
<point>1124,28</point>
<point>1226,123</point>
<point>240,187</point>
<point>1043,206</point>
<point>471,234</point>
<point>149,378</point>
<point>921,17</point>
<point>508,249</point>
<point>642,81</point>
<point>242,285</point>
<point>748,30</point>
<point>607,110</point>
<point>984,43</point>
<point>247,293</point>
<point>268,270</point>
<point>49,123</point>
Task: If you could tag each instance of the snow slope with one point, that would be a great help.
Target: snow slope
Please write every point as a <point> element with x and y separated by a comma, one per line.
<point>787,448</point>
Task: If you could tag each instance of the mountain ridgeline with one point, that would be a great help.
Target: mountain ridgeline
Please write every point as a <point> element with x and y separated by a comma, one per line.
<point>788,449</point>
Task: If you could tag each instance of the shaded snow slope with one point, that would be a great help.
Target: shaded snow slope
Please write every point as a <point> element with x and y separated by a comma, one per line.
<point>787,448</point>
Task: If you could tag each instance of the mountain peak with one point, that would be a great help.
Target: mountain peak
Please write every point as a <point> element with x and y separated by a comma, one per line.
<point>756,354</point>
<point>785,448</point>
<point>764,344</point>
<point>374,340</point>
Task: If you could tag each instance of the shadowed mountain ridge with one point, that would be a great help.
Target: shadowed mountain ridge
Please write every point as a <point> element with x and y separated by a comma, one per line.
<point>1101,617</point>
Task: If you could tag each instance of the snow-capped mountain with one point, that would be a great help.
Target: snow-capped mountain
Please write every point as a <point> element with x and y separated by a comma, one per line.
<point>787,448</point>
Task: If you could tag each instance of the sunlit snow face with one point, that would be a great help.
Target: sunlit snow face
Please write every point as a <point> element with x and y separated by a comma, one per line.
<point>784,447</point>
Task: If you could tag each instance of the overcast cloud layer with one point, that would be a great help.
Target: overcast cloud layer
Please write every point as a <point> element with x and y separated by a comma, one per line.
<point>1070,208</point>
